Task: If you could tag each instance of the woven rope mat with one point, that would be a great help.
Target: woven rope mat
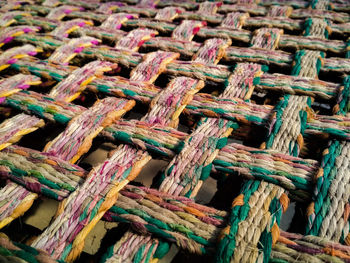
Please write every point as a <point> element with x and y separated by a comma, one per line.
<point>253,94</point>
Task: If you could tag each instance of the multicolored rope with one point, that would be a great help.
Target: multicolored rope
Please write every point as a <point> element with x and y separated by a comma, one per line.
<point>16,252</point>
<point>16,83</point>
<point>14,202</point>
<point>292,173</point>
<point>194,46</point>
<point>77,138</point>
<point>167,106</point>
<point>12,130</point>
<point>12,55</point>
<point>294,247</point>
<point>43,106</point>
<point>71,87</point>
<point>39,172</point>
<point>258,208</point>
<point>64,238</point>
<point>176,219</point>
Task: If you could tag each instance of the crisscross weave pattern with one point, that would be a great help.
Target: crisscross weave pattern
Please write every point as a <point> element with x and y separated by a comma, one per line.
<point>271,74</point>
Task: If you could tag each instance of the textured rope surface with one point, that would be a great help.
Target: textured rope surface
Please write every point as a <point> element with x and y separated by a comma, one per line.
<point>14,202</point>
<point>294,174</point>
<point>85,127</point>
<point>15,252</point>
<point>176,219</point>
<point>294,247</point>
<point>13,129</point>
<point>217,68</point>
<point>39,172</point>
<point>64,238</point>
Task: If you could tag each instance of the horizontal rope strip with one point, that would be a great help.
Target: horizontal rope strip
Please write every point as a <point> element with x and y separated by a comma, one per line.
<point>176,219</point>
<point>123,87</point>
<point>143,92</point>
<point>336,126</point>
<point>128,247</point>
<point>289,41</point>
<point>8,18</point>
<point>163,141</point>
<point>40,172</point>
<point>213,106</point>
<point>213,18</point>
<point>16,252</point>
<point>262,9</point>
<point>295,247</point>
<point>340,65</point>
<point>298,85</point>
<point>292,173</point>
<point>43,69</point>
<point>276,22</point>
<point>43,106</point>
<point>232,54</point>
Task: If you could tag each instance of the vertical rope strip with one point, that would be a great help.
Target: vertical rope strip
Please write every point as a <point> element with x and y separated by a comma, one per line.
<point>70,88</point>
<point>77,138</point>
<point>168,13</point>
<point>187,29</point>
<point>79,213</point>
<point>152,66</point>
<point>254,219</point>
<point>99,192</point>
<point>135,38</point>
<point>167,106</point>
<point>288,125</point>
<point>328,214</point>
<point>66,53</point>
<point>208,138</point>
<point>253,225</point>
<point>234,20</point>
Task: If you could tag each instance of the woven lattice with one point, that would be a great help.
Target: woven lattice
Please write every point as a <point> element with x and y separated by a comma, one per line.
<point>271,74</point>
